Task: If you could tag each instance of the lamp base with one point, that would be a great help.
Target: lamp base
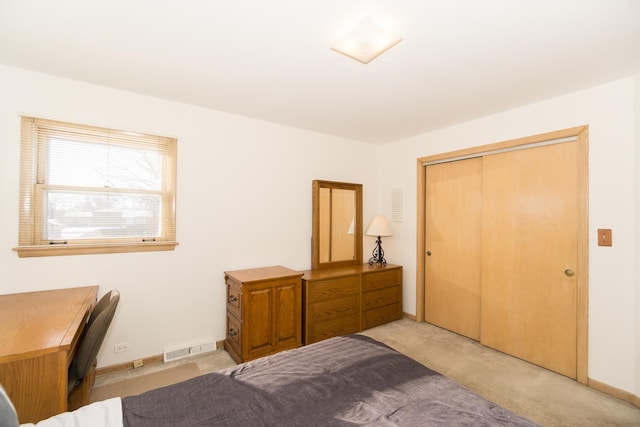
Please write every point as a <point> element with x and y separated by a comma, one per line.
<point>378,254</point>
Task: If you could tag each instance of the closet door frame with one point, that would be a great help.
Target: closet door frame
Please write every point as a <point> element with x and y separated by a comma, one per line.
<point>581,135</point>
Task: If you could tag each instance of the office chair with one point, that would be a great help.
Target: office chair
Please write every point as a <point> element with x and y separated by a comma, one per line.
<point>101,306</point>
<point>8,414</point>
<point>81,369</point>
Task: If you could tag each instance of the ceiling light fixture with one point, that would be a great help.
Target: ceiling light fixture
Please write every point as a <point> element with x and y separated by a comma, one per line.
<point>366,41</point>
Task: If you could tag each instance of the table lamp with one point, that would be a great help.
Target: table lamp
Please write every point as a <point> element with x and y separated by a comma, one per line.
<point>378,227</point>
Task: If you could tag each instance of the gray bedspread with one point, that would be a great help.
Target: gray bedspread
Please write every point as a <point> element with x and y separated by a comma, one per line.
<point>350,380</point>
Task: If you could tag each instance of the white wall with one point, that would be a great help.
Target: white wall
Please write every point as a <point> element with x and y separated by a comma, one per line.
<point>256,208</point>
<point>244,200</point>
<point>611,113</point>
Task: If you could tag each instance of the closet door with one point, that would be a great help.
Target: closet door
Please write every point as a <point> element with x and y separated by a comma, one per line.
<point>529,255</point>
<point>453,231</point>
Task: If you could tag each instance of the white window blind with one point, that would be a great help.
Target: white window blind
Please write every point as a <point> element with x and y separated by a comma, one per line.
<point>88,185</point>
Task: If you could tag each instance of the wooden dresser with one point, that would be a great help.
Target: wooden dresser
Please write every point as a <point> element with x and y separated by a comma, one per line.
<point>338,301</point>
<point>264,312</point>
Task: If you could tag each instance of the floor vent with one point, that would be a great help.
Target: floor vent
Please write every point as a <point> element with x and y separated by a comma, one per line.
<point>188,350</point>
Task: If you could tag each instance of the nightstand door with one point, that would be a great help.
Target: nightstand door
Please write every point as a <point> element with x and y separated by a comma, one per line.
<point>258,308</point>
<point>288,312</point>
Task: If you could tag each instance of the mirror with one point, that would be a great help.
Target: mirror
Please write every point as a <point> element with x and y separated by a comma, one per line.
<point>337,224</point>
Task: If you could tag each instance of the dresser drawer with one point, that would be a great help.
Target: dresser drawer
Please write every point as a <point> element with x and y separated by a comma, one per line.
<point>234,298</point>
<point>319,331</point>
<point>234,334</point>
<point>320,290</point>
<point>334,308</point>
<point>381,297</point>
<point>381,279</point>
<point>381,315</point>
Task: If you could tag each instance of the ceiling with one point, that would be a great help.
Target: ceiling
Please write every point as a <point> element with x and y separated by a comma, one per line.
<point>270,59</point>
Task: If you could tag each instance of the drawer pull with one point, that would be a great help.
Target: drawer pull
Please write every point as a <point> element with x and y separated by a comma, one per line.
<point>232,332</point>
<point>233,298</point>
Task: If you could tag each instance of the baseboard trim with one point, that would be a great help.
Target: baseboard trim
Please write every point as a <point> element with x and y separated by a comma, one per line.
<point>151,360</point>
<point>614,391</point>
<point>409,316</point>
<point>147,361</point>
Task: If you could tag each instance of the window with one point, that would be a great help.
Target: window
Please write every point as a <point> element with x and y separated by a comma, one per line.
<point>85,190</point>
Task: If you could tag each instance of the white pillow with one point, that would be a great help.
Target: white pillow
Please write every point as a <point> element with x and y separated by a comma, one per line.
<point>105,413</point>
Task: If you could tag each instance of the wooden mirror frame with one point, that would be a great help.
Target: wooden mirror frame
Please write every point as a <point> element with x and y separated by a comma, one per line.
<point>315,220</point>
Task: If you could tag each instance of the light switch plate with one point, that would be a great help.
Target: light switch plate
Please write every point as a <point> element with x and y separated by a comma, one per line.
<point>604,237</point>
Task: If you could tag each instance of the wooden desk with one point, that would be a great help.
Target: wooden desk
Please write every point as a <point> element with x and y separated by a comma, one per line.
<point>39,333</point>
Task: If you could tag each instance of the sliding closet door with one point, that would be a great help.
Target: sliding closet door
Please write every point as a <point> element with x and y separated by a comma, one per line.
<point>529,255</point>
<point>453,230</point>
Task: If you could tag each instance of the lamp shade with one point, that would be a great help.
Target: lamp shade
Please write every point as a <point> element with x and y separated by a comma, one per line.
<point>379,227</point>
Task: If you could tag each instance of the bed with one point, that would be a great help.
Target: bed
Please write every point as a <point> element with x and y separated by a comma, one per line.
<point>348,380</point>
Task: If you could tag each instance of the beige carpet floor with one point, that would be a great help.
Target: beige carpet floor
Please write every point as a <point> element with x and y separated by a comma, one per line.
<point>545,397</point>
<point>140,383</point>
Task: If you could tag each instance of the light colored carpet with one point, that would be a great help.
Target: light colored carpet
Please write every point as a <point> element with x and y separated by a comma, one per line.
<point>141,383</point>
<point>543,396</point>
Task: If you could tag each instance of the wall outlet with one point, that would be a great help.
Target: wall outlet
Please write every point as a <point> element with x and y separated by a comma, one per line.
<point>121,348</point>
<point>138,363</point>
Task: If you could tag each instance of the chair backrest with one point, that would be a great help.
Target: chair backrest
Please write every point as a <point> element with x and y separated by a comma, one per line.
<point>8,415</point>
<point>101,305</point>
<point>88,348</point>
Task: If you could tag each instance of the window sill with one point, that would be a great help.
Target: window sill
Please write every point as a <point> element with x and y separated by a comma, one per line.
<point>88,249</point>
